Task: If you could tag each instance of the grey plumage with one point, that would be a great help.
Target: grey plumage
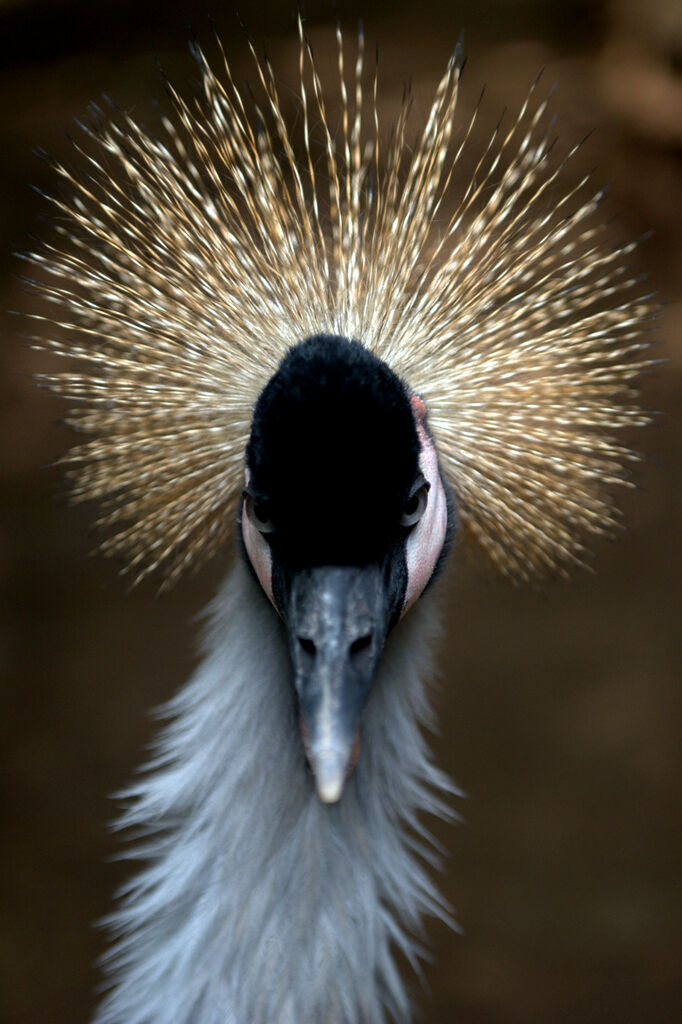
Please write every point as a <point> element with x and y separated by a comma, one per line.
<point>261,905</point>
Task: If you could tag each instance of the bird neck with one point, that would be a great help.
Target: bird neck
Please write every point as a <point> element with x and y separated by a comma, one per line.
<point>258,904</point>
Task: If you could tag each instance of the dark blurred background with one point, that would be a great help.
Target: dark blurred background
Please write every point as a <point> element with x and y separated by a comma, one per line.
<point>558,710</point>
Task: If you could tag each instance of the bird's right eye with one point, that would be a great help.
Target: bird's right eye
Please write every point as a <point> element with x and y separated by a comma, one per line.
<point>258,514</point>
<point>416,504</point>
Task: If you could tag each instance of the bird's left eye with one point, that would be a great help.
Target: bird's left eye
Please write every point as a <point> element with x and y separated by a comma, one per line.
<point>258,514</point>
<point>415,504</point>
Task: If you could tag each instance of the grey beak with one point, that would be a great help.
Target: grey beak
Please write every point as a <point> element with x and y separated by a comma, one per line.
<point>337,622</point>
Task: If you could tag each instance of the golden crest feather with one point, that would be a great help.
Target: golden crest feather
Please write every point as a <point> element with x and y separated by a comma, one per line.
<point>190,263</point>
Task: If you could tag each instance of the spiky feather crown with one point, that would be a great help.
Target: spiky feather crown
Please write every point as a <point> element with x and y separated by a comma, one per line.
<point>190,263</point>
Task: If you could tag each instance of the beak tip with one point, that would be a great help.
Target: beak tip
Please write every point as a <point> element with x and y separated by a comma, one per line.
<point>329,790</point>
<point>330,768</point>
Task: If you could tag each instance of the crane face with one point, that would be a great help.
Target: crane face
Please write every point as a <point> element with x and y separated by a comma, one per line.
<point>344,520</point>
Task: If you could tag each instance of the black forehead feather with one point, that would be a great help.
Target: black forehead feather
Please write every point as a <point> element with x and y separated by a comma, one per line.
<point>333,450</point>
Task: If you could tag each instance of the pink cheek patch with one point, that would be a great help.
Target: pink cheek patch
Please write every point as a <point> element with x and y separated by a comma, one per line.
<point>258,550</point>
<point>259,554</point>
<point>425,542</point>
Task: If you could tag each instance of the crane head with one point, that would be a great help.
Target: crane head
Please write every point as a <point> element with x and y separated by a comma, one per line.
<point>345,519</point>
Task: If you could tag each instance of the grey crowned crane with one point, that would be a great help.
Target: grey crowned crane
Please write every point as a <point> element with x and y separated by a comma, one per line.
<point>359,356</point>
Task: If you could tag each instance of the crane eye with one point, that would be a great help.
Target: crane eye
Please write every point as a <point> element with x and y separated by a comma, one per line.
<point>258,514</point>
<point>416,503</point>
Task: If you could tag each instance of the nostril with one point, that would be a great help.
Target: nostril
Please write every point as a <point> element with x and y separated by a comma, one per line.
<point>362,643</point>
<point>307,646</point>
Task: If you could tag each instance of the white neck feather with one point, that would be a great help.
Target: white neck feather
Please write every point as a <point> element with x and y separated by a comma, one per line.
<point>259,904</point>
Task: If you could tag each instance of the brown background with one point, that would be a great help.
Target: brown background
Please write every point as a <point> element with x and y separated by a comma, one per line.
<point>559,710</point>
